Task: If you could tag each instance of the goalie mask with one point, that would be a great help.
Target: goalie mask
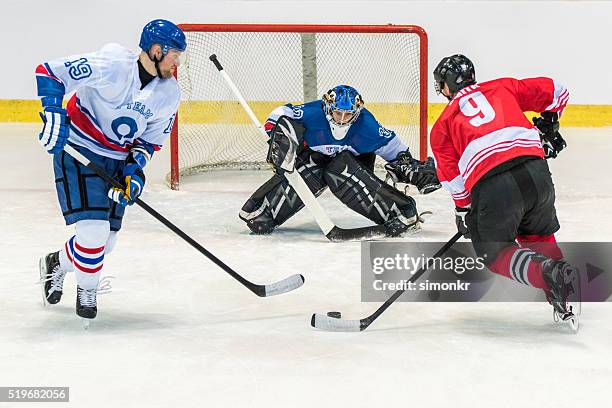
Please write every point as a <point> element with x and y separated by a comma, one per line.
<point>456,71</point>
<point>342,105</point>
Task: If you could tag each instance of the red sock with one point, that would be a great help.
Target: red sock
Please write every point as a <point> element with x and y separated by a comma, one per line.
<point>542,244</point>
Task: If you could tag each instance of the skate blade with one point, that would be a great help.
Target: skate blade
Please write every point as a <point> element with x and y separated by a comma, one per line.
<point>85,323</point>
<point>572,320</point>
<point>42,268</point>
<point>574,324</point>
<point>574,305</point>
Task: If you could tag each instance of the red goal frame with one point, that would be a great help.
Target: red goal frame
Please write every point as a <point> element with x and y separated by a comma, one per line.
<point>317,28</point>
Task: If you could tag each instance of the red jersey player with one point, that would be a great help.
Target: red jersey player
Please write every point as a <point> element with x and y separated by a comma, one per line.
<point>492,160</point>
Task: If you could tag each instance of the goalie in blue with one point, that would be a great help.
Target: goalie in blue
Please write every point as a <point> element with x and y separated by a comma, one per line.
<point>338,141</point>
<point>120,114</point>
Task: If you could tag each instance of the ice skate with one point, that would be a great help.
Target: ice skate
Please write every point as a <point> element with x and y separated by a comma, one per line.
<point>399,225</point>
<point>86,305</point>
<point>564,282</point>
<point>51,278</point>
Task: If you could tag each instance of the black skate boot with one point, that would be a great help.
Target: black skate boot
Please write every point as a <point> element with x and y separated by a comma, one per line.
<point>86,306</point>
<point>51,277</point>
<point>564,282</point>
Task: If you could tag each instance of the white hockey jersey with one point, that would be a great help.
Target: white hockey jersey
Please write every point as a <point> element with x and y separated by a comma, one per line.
<point>109,112</point>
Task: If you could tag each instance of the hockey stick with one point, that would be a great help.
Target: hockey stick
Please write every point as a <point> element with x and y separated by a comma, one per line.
<point>327,323</point>
<point>288,284</point>
<point>331,231</point>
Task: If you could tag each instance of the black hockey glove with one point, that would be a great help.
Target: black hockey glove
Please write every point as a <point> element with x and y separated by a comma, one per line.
<point>553,146</point>
<point>552,141</point>
<point>460,215</point>
<point>406,169</point>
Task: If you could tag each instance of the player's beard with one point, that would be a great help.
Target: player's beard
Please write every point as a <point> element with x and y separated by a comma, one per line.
<point>167,73</point>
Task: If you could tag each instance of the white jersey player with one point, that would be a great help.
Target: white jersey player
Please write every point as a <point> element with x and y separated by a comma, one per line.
<point>121,113</point>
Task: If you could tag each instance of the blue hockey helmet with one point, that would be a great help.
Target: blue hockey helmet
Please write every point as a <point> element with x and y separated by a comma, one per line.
<point>345,99</point>
<point>164,33</point>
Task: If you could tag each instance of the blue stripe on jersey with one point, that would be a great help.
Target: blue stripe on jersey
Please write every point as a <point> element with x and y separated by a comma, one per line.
<point>93,119</point>
<point>150,147</point>
<point>49,70</point>
<point>89,114</point>
<point>99,145</point>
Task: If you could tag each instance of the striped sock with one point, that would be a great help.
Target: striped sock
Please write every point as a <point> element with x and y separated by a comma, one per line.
<point>64,259</point>
<point>518,264</point>
<point>87,263</point>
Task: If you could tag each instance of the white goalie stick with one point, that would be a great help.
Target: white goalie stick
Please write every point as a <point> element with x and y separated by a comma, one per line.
<point>330,230</point>
<point>286,285</point>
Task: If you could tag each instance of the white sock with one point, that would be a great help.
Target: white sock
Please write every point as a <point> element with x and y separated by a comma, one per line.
<point>86,251</point>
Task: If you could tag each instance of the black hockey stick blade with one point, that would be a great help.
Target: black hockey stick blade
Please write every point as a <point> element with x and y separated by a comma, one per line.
<point>338,234</point>
<point>328,323</point>
<point>286,285</point>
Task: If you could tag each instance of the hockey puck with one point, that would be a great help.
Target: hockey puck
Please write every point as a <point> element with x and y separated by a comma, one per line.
<point>335,315</point>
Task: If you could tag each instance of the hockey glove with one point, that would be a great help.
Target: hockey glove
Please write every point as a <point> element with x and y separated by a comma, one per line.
<point>552,141</point>
<point>55,129</point>
<point>547,124</point>
<point>134,181</point>
<point>284,144</point>
<point>460,216</point>
<point>554,146</point>
<point>406,169</point>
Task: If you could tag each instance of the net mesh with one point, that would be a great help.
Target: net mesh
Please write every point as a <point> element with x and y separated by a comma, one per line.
<point>271,69</point>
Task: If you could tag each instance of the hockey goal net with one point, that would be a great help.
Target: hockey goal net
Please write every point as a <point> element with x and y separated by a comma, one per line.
<point>277,64</point>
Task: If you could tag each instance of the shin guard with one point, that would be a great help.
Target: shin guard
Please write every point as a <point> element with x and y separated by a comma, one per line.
<point>276,201</point>
<point>363,192</point>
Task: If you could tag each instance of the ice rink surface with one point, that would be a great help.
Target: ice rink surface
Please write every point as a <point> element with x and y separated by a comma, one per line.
<point>178,332</point>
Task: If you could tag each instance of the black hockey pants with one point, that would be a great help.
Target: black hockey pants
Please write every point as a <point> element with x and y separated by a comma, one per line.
<point>517,201</point>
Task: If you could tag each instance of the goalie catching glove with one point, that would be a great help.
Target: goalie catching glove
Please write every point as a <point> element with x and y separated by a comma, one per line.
<point>552,141</point>
<point>422,174</point>
<point>133,181</point>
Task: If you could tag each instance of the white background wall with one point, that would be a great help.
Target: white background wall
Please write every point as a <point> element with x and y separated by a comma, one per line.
<point>568,40</point>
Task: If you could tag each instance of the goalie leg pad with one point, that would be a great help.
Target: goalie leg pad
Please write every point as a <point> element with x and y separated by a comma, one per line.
<point>363,192</point>
<point>276,201</point>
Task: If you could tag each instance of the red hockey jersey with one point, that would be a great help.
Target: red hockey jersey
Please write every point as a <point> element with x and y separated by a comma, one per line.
<point>484,126</point>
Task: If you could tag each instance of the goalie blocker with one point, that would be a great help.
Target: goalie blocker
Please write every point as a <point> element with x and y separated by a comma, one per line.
<point>350,178</point>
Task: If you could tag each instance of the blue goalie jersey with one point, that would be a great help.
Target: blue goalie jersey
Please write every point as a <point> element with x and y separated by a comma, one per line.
<point>365,135</point>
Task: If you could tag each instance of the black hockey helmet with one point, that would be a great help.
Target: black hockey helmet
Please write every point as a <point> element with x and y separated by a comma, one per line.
<point>457,71</point>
